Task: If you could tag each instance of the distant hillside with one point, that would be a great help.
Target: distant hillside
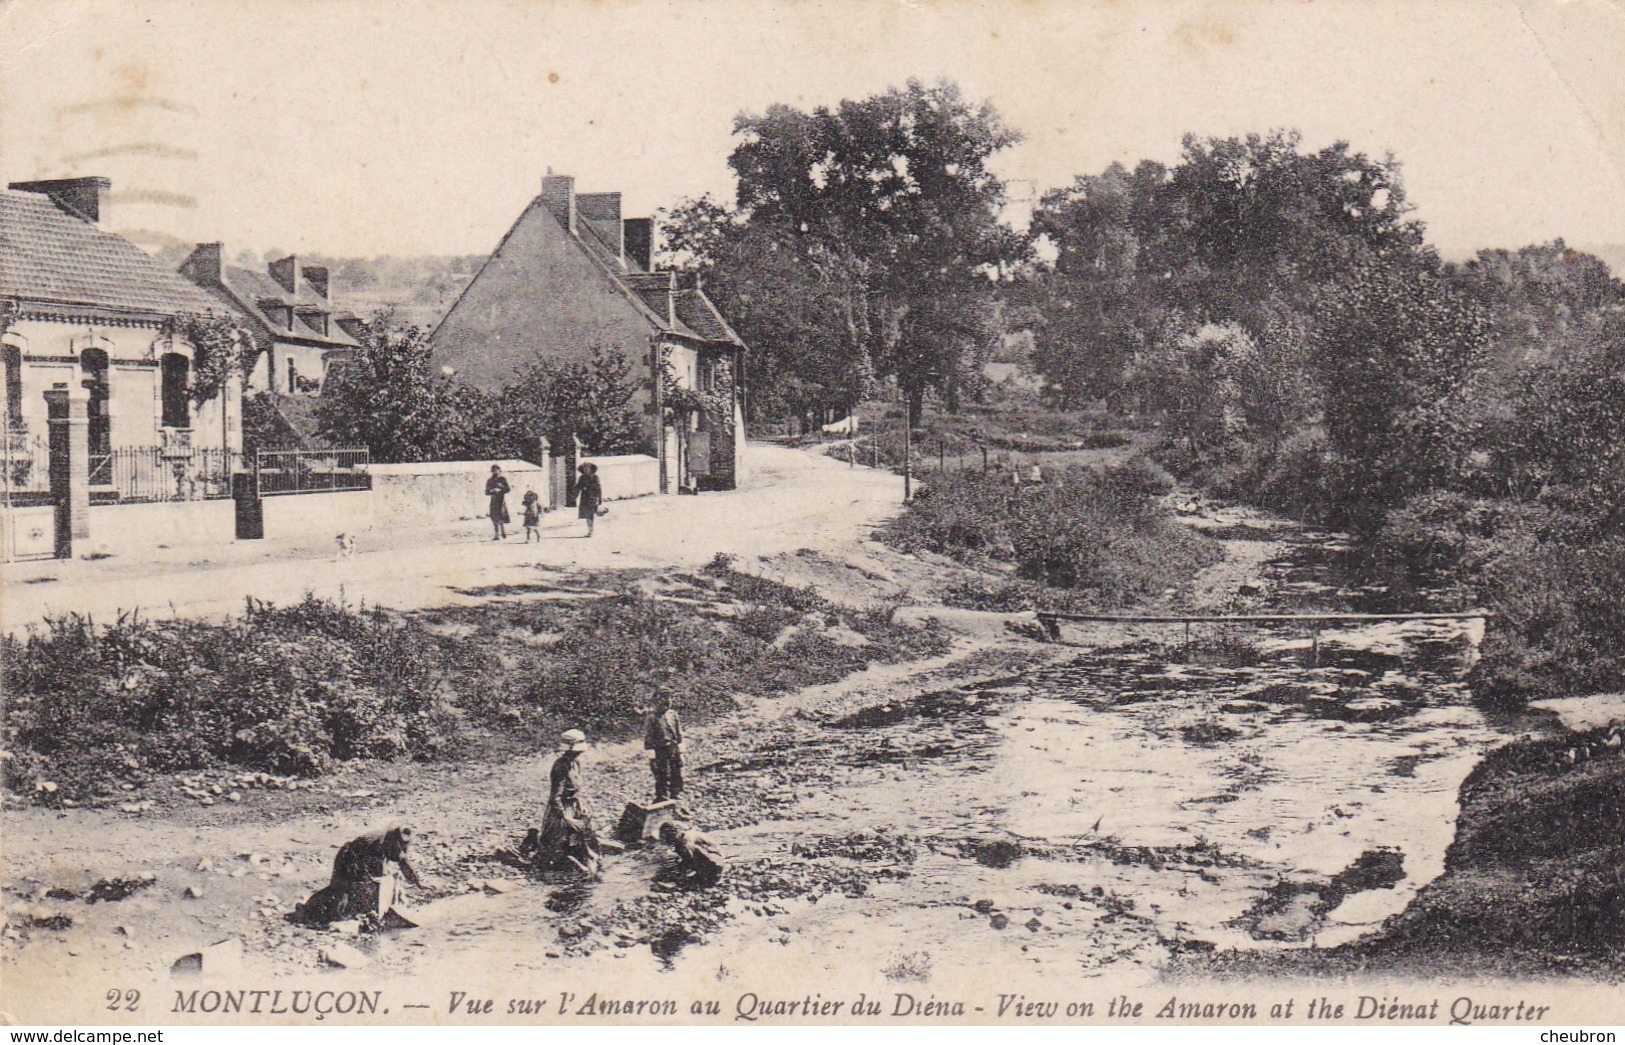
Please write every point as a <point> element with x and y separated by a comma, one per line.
<point>419,289</point>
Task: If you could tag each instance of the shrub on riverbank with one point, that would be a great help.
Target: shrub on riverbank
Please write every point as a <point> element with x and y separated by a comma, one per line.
<point>288,690</point>
<point>1100,532</point>
<point>596,667</point>
<point>1561,628</point>
<point>1545,570</point>
<point>294,690</point>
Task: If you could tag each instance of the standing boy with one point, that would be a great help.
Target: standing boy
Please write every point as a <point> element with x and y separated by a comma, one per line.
<point>663,740</point>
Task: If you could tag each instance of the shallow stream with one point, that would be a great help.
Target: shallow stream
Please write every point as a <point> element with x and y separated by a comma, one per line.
<point>1246,788</point>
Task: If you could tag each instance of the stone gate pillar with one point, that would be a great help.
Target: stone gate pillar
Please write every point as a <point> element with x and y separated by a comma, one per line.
<point>68,417</point>
<point>544,457</point>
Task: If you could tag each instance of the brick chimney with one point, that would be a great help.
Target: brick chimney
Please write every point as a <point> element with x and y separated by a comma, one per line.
<point>559,196</point>
<point>638,237</point>
<point>84,197</point>
<point>602,212</point>
<point>205,265</point>
<point>316,276</point>
<point>286,273</point>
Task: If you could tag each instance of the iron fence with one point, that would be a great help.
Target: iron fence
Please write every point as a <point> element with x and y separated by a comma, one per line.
<point>26,468</point>
<point>152,473</point>
<point>278,472</point>
<point>128,474</point>
<point>179,473</point>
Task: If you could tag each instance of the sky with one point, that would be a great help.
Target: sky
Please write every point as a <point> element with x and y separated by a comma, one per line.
<point>368,127</point>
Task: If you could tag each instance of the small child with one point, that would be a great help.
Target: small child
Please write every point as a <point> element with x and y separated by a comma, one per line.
<point>699,864</point>
<point>533,515</point>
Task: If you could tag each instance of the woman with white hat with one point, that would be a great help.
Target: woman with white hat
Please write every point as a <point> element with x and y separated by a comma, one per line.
<point>567,839</point>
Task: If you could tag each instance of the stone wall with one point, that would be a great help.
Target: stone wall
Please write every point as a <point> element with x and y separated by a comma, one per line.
<point>627,475</point>
<point>428,494</point>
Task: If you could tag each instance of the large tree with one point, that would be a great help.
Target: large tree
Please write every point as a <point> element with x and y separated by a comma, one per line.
<point>1100,301</point>
<point>892,195</point>
<point>800,308</point>
<point>1247,230</point>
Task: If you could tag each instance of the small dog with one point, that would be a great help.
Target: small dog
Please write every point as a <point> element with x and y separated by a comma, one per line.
<point>346,546</point>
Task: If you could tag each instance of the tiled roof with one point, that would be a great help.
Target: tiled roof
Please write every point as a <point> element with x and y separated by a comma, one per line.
<point>654,290</point>
<point>595,236</point>
<point>697,312</point>
<point>256,290</point>
<point>48,255</point>
<point>650,289</point>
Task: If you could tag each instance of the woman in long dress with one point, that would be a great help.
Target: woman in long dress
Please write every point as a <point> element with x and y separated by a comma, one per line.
<point>497,489</point>
<point>567,840</point>
<point>589,495</point>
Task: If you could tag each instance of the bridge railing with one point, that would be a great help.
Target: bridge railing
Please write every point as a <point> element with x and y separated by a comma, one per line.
<point>1051,620</point>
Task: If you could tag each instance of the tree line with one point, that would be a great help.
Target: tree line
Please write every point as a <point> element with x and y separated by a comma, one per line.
<point>1273,311</point>
<point>1279,315</point>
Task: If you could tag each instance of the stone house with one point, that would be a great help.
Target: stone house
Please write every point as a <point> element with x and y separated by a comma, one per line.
<point>300,331</point>
<point>572,274</point>
<point>88,315</point>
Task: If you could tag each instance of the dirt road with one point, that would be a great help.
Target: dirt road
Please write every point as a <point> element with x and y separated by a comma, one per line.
<point>793,500</point>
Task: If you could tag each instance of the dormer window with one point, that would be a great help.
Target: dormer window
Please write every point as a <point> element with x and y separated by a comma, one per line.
<point>279,314</point>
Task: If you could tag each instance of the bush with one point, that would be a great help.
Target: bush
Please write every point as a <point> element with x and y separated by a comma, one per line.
<point>1296,477</point>
<point>1102,532</point>
<point>1561,624</point>
<point>599,673</point>
<point>283,690</point>
<point>1444,537</point>
<point>1554,585</point>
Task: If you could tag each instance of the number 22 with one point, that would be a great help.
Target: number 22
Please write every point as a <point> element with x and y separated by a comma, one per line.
<point>129,1000</point>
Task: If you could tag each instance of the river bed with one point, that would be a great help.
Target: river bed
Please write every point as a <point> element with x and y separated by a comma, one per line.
<point>1261,788</point>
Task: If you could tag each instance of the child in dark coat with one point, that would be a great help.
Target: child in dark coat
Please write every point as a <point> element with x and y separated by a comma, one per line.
<point>533,515</point>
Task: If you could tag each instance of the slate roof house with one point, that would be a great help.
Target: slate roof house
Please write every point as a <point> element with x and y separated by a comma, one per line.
<point>290,306</point>
<point>572,273</point>
<point>85,310</point>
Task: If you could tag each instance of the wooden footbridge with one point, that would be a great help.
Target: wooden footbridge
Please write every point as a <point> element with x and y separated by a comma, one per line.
<point>1315,621</point>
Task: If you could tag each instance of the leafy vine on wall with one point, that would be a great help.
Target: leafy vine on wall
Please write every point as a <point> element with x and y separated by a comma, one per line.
<point>220,347</point>
<point>715,403</point>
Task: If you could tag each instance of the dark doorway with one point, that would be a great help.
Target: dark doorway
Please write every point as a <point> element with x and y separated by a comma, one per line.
<point>93,363</point>
<point>177,406</point>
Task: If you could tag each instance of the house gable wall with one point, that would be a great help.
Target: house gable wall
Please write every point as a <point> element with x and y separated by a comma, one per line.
<point>539,296</point>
